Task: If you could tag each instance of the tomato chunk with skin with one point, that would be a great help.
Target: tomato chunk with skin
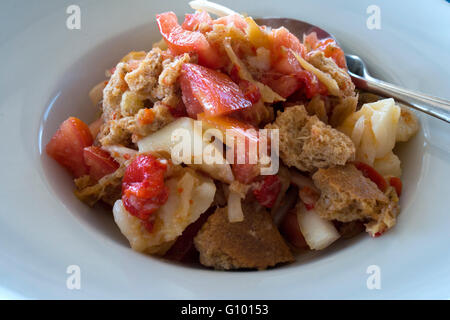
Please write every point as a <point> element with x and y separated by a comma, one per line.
<point>284,85</point>
<point>372,174</point>
<point>286,63</point>
<point>182,41</point>
<point>191,103</point>
<point>67,145</point>
<point>281,37</point>
<point>235,20</point>
<point>282,42</point>
<point>287,75</point>
<point>231,126</point>
<point>267,192</point>
<point>178,111</point>
<point>243,172</point>
<point>99,161</point>
<point>250,90</point>
<point>212,91</point>
<point>193,21</point>
<point>310,40</point>
<point>143,188</point>
<point>311,85</point>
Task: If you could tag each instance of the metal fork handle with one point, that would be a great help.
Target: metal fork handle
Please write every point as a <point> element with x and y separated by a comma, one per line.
<point>436,107</point>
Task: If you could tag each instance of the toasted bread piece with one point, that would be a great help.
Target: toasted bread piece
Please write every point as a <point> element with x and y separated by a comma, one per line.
<point>129,91</point>
<point>346,195</point>
<point>145,76</point>
<point>112,94</point>
<point>318,60</point>
<point>307,143</point>
<point>122,130</point>
<point>254,243</point>
<point>388,216</point>
<point>347,101</point>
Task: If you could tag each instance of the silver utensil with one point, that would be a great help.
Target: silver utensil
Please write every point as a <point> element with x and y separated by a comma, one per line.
<point>434,106</point>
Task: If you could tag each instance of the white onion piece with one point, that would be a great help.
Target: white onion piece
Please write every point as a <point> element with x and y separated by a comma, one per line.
<point>235,213</point>
<point>211,7</point>
<point>358,130</point>
<point>388,166</point>
<point>165,141</point>
<point>318,233</point>
<point>96,93</point>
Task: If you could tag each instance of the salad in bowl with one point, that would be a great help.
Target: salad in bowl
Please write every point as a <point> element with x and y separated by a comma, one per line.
<point>236,145</point>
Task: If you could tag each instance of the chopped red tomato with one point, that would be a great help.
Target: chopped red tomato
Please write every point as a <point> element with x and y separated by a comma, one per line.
<point>291,230</point>
<point>284,85</point>
<point>191,103</point>
<point>282,43</point>
<point>310,40</point>
<point>267,192</point>
<point>372,174</point>
<point>281,37</point>
<point>287,84</point>
<point>288,76</point>
<point>143,189</point>
<point>178,111</point>
<point>243,172</point>
<point>309,197</point>
<point>286,63</point>
<point>182,41</point>
<point>397,184</point>
<point>312,86</point>
<point>234,73</point>
<point>193,21</point>
<point>99,161</point>
<point>232,126</point>
<point>67,145</point>
<point>211,91</point>
<point>235,20</point>
<point>250,90</point>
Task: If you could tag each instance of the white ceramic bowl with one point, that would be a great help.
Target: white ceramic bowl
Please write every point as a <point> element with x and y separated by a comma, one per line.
<point>46,75</point>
